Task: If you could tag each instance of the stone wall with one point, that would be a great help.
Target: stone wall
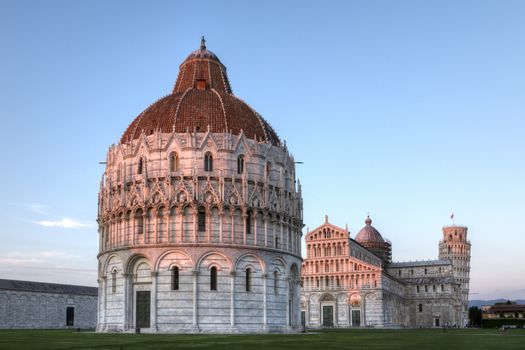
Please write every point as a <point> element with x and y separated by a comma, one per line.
<point>30,310</point>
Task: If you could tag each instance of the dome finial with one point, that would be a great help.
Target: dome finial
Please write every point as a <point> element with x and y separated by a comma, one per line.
<point>203,43</point>
<point>368,221</point>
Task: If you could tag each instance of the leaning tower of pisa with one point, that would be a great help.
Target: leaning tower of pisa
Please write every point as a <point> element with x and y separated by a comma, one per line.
<point>456,247</point>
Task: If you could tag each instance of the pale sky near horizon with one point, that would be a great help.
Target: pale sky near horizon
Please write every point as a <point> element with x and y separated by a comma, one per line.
<point>407,110</point>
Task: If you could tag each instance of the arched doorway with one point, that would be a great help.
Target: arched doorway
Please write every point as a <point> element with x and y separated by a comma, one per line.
<point>143,303</point>
<point>327,310</point>
<point>355,310</point>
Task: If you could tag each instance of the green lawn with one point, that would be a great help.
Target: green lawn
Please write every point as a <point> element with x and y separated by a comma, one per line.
<point>336,339</point>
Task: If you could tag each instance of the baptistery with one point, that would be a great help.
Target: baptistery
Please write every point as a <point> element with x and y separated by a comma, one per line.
<point>199,215</point>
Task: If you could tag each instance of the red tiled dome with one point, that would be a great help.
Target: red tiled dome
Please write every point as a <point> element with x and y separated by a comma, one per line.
<point>369,233</point>
<point>201,98</point>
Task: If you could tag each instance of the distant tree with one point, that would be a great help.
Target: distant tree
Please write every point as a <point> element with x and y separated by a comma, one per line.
<point>508,302</point>
<point>474,315</point>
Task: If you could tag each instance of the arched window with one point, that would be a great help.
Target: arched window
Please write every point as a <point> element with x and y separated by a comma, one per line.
<point>240,164</point>
<point>114,281</point>
<point>174,162</point>
<point>201,220</point>
<point>150,223</point>
<point>248,281</point>
<point>140,166</point>
<point>139,222</point>
<point>420,306</point>
<point>449,249</point>
<point>275,282</point>
<point>175,278</point>
<point>249,222</point>
<point>119,169</point>
<point>213,278</point>
<point>208,162</point>
<point>128,227</point>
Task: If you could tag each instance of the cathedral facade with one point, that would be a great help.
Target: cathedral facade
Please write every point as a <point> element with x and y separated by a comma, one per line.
<point>199,216</point>
<point>352,282</point>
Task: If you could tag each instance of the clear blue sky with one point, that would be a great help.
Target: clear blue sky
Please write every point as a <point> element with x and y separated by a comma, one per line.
<point>409,110</point>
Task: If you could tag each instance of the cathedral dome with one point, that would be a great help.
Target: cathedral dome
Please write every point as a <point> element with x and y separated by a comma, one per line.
<point>369,233</point>
<point>201,101</point>
<point>371,239</point>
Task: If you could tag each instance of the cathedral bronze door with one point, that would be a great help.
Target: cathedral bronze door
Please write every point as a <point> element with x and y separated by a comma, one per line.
<point>356,318</point>
<point>143,309</point>
<point>328,316</point>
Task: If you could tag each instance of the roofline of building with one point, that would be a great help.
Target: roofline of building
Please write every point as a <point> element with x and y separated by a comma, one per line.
<point>44,287</point>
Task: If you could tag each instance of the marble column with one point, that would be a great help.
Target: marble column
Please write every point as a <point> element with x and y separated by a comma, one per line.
<point>101,304</point>
<point>265,300</point>
<point>155,227</point>
<point>232,299</point>
<point>153,325</point>
<point>179,213</point>
<point>125,277</point>
<point>195,212</point>
<point>307,312</point>
<point>145,232</point>
<point>166,232</point>
<point>221,215</point>
<point>265,218</point>
<point>336,312</point>
<point>195,300</point>
<point>244,216</point>
<point>287,293</point>
<point>280,235</point>
<point>104,301</point>
<point>169,232</point>
<point>232,228</point>
<point>254,223</point>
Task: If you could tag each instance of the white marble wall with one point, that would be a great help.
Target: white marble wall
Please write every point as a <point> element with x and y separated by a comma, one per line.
<point>194,307</point>
<point>253,219</point>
